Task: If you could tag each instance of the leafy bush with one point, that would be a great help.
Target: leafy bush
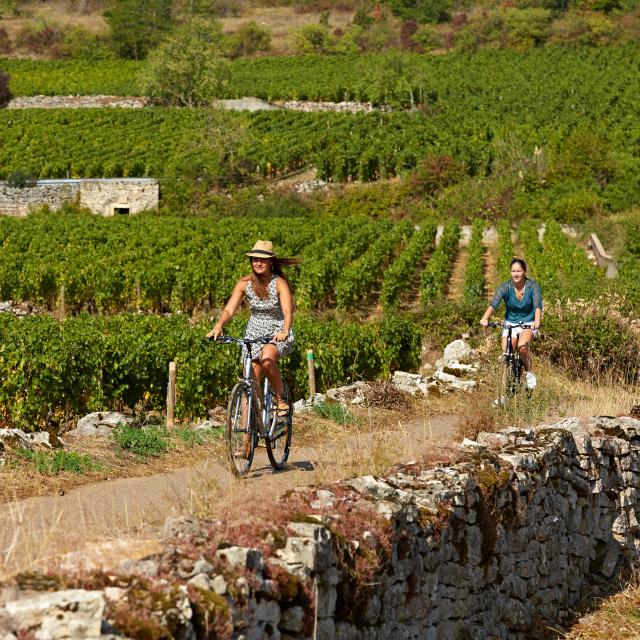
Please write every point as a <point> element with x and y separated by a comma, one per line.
<point>5,91</point>
<point>59,461</point>
<point>146,443</point>
<point>576,206</point>
<point>250,38</point>
<point>434,173</point>
<point>43,39</point>
<point>528,27</point>
<point>313,38</point>
<point>433,11</point>
<point>6,46</point>
<point>336,412</point>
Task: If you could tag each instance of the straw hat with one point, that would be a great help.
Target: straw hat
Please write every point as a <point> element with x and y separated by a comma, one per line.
<point>262,249</point>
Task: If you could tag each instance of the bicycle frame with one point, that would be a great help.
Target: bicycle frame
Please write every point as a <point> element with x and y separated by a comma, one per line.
<point>511,359</point>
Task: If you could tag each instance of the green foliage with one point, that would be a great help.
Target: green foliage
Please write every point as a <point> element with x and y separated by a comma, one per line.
<point>313,38</point>
<point>397,278</point>
<point>138,25</point>
<point>5,91</point>
<point>421,10</point>
<point>98,363</point>
<point>336,412</point>
<point>53,463</point>
<point>474,272</point>
<point>434,173</point>
<point>146,443</point>
<point>249,39</point>
<point>357,279</point>
<point>435,276</point>
<point>505,250</point>
<point>188,69</point>
<point>589,342</point>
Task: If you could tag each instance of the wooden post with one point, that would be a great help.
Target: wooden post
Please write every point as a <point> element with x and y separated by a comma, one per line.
<point>62,302</point>
<point>171,394</point>
<point>312,374</point>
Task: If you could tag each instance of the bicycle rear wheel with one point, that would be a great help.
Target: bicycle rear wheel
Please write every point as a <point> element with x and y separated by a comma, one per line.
<point>240,431</point>
<point>279,444</point>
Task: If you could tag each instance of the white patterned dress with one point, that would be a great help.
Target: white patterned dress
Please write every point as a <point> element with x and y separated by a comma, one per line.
<point>267,317</point>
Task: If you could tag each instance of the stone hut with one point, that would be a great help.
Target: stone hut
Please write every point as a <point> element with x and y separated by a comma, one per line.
<point>103,196</point>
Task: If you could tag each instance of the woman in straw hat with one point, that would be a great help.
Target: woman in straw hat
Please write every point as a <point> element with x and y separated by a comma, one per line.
<point>268,294</point>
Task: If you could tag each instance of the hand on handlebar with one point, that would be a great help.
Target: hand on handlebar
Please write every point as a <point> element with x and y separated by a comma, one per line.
<point>484,322</point>
<point>215,333</point>
<point>281,336</point>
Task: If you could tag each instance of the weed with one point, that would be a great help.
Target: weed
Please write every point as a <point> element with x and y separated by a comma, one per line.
<point>141,442</point>
<point>193,438</point>
<point>335,412</point>
<point>54,462</point>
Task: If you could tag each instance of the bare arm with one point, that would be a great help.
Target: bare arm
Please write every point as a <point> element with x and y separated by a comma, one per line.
<point>230,309</point>
<point>484,321</point>
<point>286,302</point>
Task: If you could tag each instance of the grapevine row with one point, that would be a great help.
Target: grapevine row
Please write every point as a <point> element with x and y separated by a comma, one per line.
<point>474,272</point>
<point>397,277</point>
<point>358,278</point>
<point>435,276</point>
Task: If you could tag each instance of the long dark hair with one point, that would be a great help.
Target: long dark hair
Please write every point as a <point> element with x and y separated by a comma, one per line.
<point>259,287</point>
<point>522,263</point>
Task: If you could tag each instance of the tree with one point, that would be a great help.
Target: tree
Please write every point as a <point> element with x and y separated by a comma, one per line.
<point>189,68</point>
<point>138,25</point>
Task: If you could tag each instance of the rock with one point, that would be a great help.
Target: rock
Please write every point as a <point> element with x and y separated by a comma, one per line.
<point>472,444</point>
<point>200,581</point>
<point>412,383</point>
<point>147,568</point>
<point>458,351</point>
<point>242,557</point>
<point>100,423</point>
<point>453,381</point>
<point>292,620</point>
<point>304,405</point>
<point>350,393</point>
<point>16,438</point>
<point>73,613</point>
<point>207,425</point>
<point>219,585</point>
<point>202,566</point>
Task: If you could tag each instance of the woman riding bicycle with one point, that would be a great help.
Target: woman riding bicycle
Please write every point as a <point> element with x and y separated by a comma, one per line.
<point>268,294</point>
<point>523,301</point>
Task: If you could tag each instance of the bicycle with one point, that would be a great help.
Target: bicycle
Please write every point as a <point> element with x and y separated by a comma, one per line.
<point>252,414</point>
<point>510,378</point>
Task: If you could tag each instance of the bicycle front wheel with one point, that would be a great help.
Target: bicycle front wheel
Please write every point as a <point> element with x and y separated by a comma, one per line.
<point>278,443</point>
<point>240,431</point>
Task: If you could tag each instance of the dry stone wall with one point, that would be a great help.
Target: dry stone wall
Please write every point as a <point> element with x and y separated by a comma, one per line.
<point>505,544</point>
<point>105,197</point>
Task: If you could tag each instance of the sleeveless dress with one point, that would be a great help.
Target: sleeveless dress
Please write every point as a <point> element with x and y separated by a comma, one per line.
<point>266,317</point>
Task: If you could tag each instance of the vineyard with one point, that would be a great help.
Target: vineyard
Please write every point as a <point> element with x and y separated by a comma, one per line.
<point>488,111</point>
<point>176,266</point>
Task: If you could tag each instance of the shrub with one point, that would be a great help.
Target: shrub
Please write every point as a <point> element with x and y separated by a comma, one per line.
<point>5,91</point>
<point>336,412</point>
<point>249,39</point>
<point>527,27</point>
<point>434,173</point>
<point>40,40</point>
<point>54,462</point>
<point>146,443</point>
<point>433,11</point>
<point>312,38</point>
<point>6,46</point>
<point>576,206</point>
<point>428,38</point>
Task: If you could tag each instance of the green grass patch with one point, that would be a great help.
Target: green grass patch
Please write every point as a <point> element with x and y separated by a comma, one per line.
<point>335,412</point>
<point>193,438</point>
<point>146,443</point>
<point>54,462</point>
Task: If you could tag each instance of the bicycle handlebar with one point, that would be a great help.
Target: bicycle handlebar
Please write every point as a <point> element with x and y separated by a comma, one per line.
<point>247,341</point>
<point>502,325</point>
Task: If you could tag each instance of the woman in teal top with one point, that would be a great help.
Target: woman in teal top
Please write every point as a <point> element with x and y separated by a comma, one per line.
<point>523,301</point>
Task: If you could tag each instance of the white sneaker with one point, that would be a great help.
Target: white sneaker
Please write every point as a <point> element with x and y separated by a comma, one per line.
<point>498,402</point>
<point>532,381</point>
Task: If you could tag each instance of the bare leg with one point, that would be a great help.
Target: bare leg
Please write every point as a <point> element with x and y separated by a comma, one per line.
<point>268,365</point>
<point>524,343</point>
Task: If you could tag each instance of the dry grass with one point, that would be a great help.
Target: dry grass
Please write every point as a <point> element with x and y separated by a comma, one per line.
<point>617,617</point>
<point>20,479</point>
<point>54,12</point>
<point>282,21</point>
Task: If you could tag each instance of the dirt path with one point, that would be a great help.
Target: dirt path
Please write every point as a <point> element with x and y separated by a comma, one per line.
<point>93,520</point>
<point>455,286</point>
